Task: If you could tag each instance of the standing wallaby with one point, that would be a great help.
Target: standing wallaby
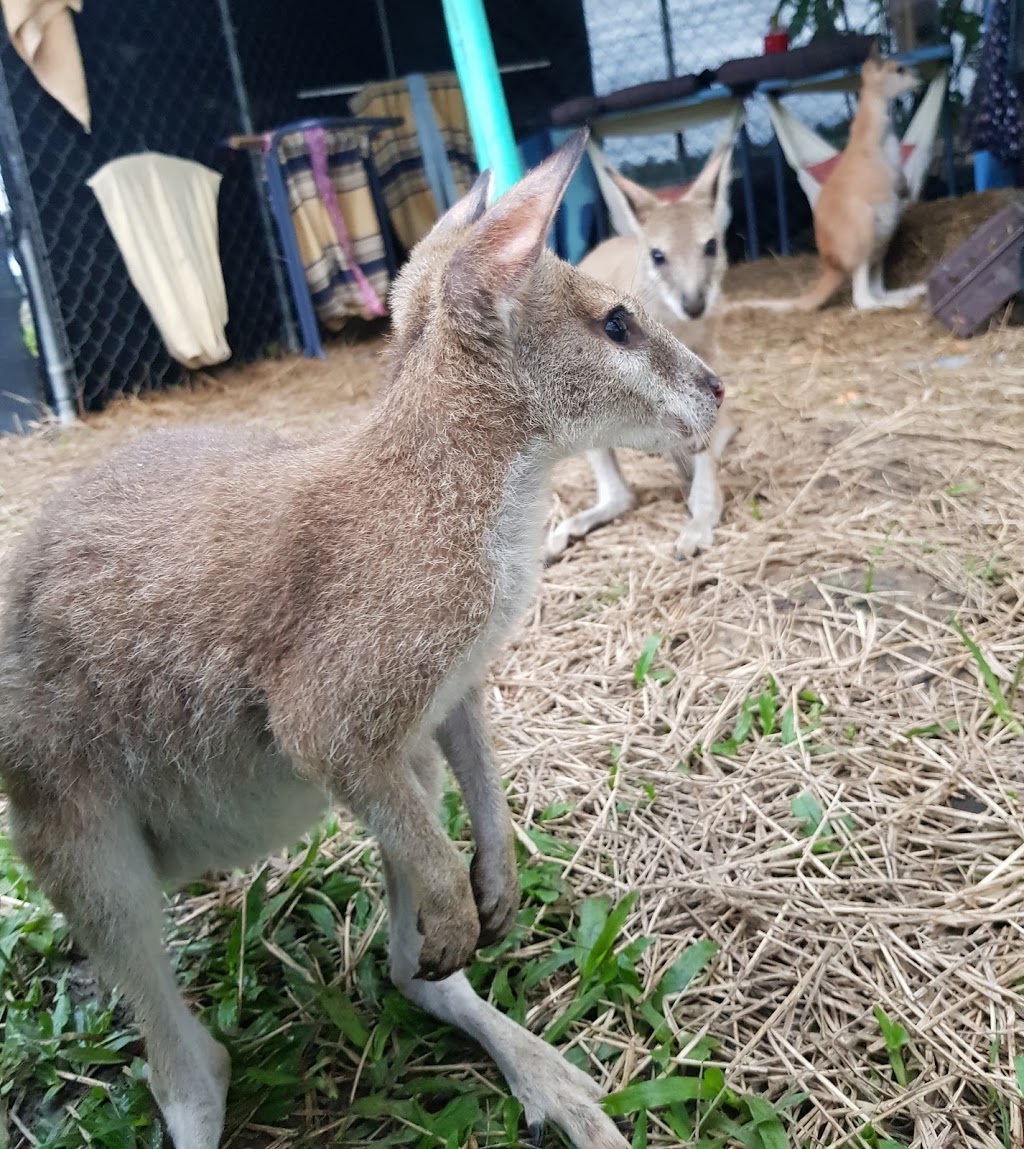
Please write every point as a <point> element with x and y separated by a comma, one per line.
<point>860,204</point>
<point>221,632</point>
<point>675,261</point>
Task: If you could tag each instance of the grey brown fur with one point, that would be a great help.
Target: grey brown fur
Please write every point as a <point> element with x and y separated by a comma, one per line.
<point>220,632</point>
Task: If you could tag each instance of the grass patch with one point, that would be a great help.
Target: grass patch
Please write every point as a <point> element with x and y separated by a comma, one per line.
<point>344,1057</point>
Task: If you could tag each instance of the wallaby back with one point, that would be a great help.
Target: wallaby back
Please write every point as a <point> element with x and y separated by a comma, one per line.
<point>206,593</point>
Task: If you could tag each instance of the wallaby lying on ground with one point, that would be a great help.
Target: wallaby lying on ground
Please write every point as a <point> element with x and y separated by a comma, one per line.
<point>675,261</point>
<point>860,203</point>
<point>220,632</point>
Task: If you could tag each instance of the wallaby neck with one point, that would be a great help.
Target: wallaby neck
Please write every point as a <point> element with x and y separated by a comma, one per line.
<point>871,122</point>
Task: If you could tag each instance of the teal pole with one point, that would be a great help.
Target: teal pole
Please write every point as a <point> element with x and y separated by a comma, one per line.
<point>480,80</point>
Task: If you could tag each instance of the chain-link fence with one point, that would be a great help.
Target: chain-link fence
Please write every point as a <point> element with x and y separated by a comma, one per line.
<point>655,39</point>
<point>180,77</point>
<point>173,93</point>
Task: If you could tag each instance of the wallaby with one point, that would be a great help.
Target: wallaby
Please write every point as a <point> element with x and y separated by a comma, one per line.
<point>860,204</point>
<point>675,261</point>
<point>220,632</point>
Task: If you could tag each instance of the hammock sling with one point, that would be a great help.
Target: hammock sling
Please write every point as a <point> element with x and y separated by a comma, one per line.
<point>813,159</point>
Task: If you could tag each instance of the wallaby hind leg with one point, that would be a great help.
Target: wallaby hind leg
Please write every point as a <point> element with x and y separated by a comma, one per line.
<point>101,876</point>
<point>705,498</point>
<point>869,293</point>
<point>875,282</point>
<point>547,1086</point>
<point>613,499</point>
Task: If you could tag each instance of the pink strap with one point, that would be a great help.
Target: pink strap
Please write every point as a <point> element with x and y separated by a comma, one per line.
<point>316,141</point>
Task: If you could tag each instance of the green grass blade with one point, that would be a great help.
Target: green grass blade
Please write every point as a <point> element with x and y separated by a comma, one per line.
<point>642,666</point>
<point>657,1094</point>
<point>998,701</point>
<point>685,968</point>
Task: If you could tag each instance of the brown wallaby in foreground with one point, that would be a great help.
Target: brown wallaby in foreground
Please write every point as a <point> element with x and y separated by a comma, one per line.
<point>861,202</point>
<point>674,260</point>
<point>220,632</point>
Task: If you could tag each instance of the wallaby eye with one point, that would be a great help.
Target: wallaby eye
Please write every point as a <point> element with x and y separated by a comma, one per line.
<point>711,248</point>
<point>657,256</point>
<point>615,326</point>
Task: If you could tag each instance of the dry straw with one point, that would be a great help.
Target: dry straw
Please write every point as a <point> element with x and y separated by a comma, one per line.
<point>872,854</point>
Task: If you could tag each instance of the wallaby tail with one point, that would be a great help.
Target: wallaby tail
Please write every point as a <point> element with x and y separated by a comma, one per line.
<point>827,284</point>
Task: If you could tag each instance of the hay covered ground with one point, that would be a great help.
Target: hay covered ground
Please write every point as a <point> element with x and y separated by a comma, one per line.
<point>811,781</point>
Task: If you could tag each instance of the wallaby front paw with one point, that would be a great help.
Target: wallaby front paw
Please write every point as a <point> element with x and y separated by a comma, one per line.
<point>450,926</point>
<point>694,537</point>
<point>495,880</point>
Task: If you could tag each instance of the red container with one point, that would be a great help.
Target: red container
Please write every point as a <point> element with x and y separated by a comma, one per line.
<point>776,42</point>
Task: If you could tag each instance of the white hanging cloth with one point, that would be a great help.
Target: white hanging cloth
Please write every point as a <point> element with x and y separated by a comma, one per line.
<point>43,34</point>
<point>163,213</point>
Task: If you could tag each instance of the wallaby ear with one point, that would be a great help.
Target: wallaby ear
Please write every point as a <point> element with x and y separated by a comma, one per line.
<point>706,186</point>
<point>641,202</point>
<point>504,245</point>
<point>468,209</point>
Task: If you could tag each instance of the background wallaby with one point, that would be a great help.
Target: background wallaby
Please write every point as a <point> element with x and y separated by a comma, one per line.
<point>220,632</point>
<point>861,202</point>
<point>675,261</point>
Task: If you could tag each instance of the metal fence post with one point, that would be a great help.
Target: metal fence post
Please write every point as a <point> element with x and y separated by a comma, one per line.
<point>54,347</point>
<point>477,69</point>
<point>291,339</point>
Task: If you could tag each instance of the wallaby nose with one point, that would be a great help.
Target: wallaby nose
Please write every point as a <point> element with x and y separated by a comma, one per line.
<point>693,305</point>
<point>716,387</point>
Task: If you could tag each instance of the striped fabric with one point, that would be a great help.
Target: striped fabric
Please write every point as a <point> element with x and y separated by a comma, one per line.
<point>347,274</point>
<point>398,156</point>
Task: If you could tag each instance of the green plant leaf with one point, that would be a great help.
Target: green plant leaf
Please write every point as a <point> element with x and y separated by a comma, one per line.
<point>893,1034</point>
<point>808,812</point>
<point>685,968</point>
<point>640,1131</point>
<point>1000,707</point>
<point>605,940</point>
<point>642,666</point>
<point>91,1055</point>
<point>657,1094</point>
<point>766,711</point>
<point>340,1010</point>
<point>593,916</point>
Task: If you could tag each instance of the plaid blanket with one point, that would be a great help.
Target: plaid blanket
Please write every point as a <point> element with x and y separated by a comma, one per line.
<point>338,236</point>
<point>397,152</point>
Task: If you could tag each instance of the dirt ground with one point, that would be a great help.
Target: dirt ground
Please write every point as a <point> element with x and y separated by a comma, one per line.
<point>866,851</point>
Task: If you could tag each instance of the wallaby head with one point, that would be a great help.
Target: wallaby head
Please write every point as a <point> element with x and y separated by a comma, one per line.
<point>682,258</point>
<point>887,78</point>
<point>581,363</point>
